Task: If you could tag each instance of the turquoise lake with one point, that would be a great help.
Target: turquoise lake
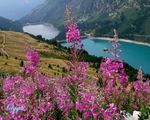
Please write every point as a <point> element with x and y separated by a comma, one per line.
<point>134,54</point>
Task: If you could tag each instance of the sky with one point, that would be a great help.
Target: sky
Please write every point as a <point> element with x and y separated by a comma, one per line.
<point>15,9</point>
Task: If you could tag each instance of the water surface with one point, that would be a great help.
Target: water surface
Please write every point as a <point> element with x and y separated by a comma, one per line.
<point>47,31</point>
<point>134,54</point>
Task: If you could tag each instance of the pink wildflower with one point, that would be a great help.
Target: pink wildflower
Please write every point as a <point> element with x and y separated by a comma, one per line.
<point>33,57</point>
<point>111,112</point>
<point>73,34</point>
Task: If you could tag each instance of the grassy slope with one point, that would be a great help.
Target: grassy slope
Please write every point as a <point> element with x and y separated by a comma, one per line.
<point>15,46</point>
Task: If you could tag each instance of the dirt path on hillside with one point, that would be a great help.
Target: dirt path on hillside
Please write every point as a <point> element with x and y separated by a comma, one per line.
<point>3,45</point>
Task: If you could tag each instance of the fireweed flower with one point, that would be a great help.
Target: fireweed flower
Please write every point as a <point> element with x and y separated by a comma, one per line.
<point>140,75</point>
<point>113,71</point>
<point>87,104</point>
<point>142,89</point>
<point>86,99</point>
<point>62,96</point>
<point>115,52</point>
<point>33,57</point>
<point>10,83</point>
<point>140,86</point>
<point>79,72</point>
<point>116,87</point>
<point>78,79</point>
<point>111,112</point>
<point>73,34</point>
<point>33,61</point>
<point>1,118</point>
<point>113,76</point>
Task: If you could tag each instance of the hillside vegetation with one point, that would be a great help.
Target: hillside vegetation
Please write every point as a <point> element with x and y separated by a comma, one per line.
<point>13,46</point>
<point>13,52</point>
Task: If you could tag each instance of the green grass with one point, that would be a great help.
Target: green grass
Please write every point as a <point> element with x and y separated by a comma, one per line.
<point>16,45</point>
<point>45,54</point>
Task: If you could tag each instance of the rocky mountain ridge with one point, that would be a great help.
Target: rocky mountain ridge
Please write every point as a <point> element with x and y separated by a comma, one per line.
<point>97,16</point>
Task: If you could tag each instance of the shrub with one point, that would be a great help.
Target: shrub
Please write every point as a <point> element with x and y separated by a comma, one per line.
<point>50,66</point>
<point>21,63</point>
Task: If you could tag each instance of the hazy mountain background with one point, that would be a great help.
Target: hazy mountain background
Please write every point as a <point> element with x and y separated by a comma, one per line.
<point>12,10</point>
<point>15,9</point>
<point>6,24</point>
<point>98,17</point>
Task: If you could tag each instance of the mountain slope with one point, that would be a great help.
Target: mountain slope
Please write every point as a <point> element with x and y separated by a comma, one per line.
<point>54,10</point>
<point>97,16</point>
<point>49,11</point>
<point>12,53</point>
<point>6,24</point>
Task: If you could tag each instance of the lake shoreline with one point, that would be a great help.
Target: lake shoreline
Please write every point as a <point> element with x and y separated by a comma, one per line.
<point>123,40</point>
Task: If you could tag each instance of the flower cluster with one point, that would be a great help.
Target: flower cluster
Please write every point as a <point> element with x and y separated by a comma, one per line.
<point>88,106</point>
<point>111,112</point>
<point>62,96</point>
<point>115,85</point>
<point>33,93</point>
<point>73,34</point>
<point>33,59</point>
<point>79,70</point>
<point>112,69</point>
<point>114,82</point>
<point>142,89</point>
